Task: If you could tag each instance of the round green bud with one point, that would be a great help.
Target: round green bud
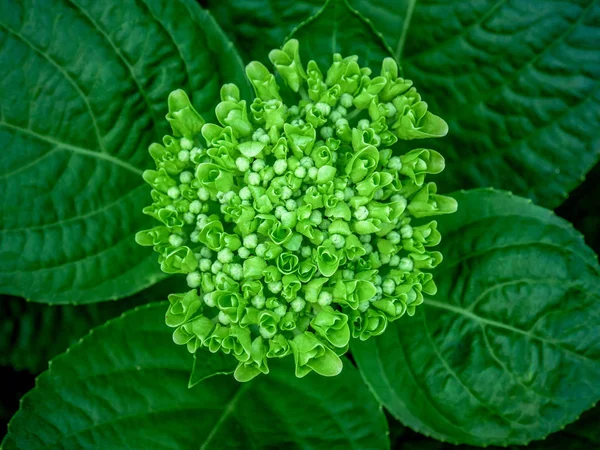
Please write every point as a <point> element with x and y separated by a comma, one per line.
<point>216,267</point>
<point>406,231</point>
<point>193,279</point>
<point>300,172</point>
<point>195,207</point>
<point>175,240</point>
<point>280,166</point>
<point>253,179</point>
<point>209,300</point>
<point>203,194</point>
<point>183,156</point>
<point>346,100</point>
<point>258,301</point>
<point>186,177</point>
<point>205,265</point>
<point>406,264</point>
<point>242,163</point>
<point>173,192</point>
<point>186,143</point>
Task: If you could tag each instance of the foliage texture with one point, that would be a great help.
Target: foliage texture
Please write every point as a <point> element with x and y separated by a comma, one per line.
<point>508,349</point>
<point>125,386</point>
<point>517,81</point>
<point>74,133</point>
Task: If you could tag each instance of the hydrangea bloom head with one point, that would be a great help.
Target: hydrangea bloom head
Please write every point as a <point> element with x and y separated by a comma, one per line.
<point>298,225</point>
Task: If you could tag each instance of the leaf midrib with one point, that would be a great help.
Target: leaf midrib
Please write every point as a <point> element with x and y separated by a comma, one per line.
<point>68,77</point>
<point>492,323</point>
<point>87,215</point>
<point>75,148</point>
<point>229,408</point>
<point>469,390</point>
<point>429,399</point>
<point>405,27</point>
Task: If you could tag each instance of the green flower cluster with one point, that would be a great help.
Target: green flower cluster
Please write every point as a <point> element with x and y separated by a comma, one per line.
<point>297,226</point>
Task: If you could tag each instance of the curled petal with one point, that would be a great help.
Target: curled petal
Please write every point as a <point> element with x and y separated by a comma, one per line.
<point>311,354</point>
<point>288,64</point>
<point>263,81</point>
<point>182,307</point>
<point>333,326</point>
<point>184,119</point>
<point>427,203</point>
<point>180,260</point>
<point>255,364</point>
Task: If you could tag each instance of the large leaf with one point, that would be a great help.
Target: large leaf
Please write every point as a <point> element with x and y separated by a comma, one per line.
<point>84,87</point>
<point>259,26</point>
<point>125,385</point>
<point>517,82</point>
<point>31,334</point>
<point>582,435</point>
<point>208,364</point>
<point>508,350</point>
<point>324,27</point>
<point>338,28</point>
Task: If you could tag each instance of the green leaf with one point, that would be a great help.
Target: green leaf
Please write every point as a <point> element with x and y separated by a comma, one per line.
<point>508,350</point>
<point>125,385</point>
<point>207,364</point>
<point>31,334</point>
<point>514,82</point>
<point>338,28</point>
<point>84,89</point>
<point>512,79</point>
<point>259,26</point>
<point>582,435</point>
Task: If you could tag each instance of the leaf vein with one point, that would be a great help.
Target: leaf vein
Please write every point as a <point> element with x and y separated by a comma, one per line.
<point>454,375</point>
<point>227,410</point>
<point>74,148</point>
<point>493,323</point>
<point>75,218</point>
<point>118,52</point>
<point>68,77</point>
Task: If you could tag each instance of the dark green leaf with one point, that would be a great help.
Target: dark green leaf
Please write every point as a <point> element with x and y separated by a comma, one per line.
<point>517,82</point>
<point>125,385</point>
<point>582,435</point>
<point>84,87</point>
<point>338,28</point>
<point>32,334</point>
<point>508,350</point>
<point>207,364</point>
<point>259,26</point>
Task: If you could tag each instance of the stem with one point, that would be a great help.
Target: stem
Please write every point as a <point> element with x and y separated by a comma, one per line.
<point>303,93</point>
<point>353,114</point>
<point>405,26</point>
